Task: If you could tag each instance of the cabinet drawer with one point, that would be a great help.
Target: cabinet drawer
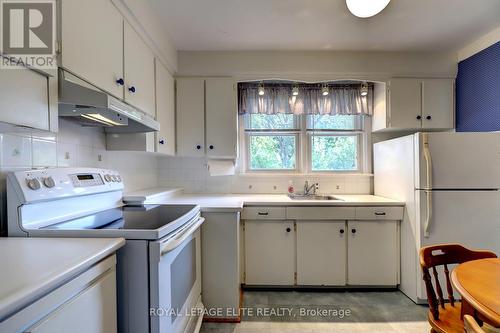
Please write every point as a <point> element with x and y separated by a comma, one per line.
<point>263,213</point>
<point>379,213</point>
<point>320,213</point>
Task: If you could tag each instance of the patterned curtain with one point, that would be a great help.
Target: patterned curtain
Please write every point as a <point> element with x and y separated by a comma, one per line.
<point>342,99</point>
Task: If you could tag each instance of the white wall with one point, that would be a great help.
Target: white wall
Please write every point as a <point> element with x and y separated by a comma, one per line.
<point>480,44</point>
<point>321,64</point>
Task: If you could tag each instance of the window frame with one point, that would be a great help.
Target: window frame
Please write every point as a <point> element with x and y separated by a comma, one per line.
<point>303,149</point>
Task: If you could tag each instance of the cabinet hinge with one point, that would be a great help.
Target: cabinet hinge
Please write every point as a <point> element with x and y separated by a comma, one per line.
<point>295,228</point>
<point>58,47</point>
<point>295,278</point>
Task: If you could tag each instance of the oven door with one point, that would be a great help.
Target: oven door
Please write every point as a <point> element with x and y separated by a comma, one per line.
<point>175,281</point>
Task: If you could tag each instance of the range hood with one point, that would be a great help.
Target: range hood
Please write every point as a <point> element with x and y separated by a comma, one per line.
<point>89,106</point>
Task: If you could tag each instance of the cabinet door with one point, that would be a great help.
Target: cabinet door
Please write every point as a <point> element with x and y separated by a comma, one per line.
<point>405,103</point>
<point>221,117</point>
<point>269,253</point>
<point>94,310</point>
<point>165,110</point>
<point>221,260</point>
<point>321,253</point>
<point>438,103</point>
<point>20,108</point>
<point>139,72</point>
<point>190,117</point>
<point>92,42</point>
<point>372,253</point>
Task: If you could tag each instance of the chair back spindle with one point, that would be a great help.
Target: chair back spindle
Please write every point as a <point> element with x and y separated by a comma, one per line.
<point>443,255</point>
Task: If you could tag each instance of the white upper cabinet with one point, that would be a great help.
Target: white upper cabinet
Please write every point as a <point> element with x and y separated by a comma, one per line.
<point>20,108</point>
<point>414,104</point>
<point>165,110</point>
<point>221,117</point>
<point>405,103</point>
<point>139,72</point>
<point>92,43</point>
<point>438,103</point>
<point>206,117</point>
<point>190,117</point>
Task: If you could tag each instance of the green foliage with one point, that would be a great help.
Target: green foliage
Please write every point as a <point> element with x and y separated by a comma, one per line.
<point>276,151</point>
<point>272,122</point>
<point>272,152</point>
<point>334,153</point>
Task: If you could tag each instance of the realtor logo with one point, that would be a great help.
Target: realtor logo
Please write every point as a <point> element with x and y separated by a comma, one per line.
<point>28,32</point>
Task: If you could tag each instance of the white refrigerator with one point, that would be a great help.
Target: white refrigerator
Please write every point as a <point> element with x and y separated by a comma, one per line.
<point>450,183</point>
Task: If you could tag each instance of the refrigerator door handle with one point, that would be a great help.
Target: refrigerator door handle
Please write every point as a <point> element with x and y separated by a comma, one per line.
<point>428,192</point>
<point>428,218</point>
<point>428,161</point>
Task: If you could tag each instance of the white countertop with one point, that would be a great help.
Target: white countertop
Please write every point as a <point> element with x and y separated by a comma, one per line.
<point>232,202</point>
<point>33,267</point>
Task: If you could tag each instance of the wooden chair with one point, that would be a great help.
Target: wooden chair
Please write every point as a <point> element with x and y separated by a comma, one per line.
<point>471,325</point>
<point>445,317</point>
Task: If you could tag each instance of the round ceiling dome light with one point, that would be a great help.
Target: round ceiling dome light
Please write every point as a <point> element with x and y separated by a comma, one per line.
<point>366,8</point>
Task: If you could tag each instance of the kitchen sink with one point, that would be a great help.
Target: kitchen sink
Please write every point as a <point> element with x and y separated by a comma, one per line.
<point>313,197</point>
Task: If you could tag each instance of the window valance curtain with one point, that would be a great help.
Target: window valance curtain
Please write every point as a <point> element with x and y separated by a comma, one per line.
<point>342,99</point>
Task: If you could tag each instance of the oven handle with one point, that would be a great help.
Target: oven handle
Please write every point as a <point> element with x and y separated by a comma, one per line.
<point>179,239</point>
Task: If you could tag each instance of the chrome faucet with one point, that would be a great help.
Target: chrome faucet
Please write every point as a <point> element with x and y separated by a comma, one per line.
<point>310,190</point>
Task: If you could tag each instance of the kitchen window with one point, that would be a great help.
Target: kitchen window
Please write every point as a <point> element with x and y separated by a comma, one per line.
<point>277,139</point>
<point>272,142</point>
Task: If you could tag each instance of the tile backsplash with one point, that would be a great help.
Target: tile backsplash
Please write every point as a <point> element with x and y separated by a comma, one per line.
<point>73,145</point>
<point>192,175</point>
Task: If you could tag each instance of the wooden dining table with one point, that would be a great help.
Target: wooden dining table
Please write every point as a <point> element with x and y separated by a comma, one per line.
<point>478,282</point>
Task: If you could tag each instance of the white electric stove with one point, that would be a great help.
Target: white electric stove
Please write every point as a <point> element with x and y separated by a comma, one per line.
<point>159,269</point>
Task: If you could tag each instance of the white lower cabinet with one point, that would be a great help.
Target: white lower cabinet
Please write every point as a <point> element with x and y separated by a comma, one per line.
<point>373,253</point>
<point>94,310</point>
<point>220,257</point>
<point>321,246</point>
<point>321,253</point>
<point>85,303</point>
<point>269,253</point>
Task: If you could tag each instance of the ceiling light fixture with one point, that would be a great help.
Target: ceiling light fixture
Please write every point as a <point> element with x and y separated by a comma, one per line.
<point>295,91</point>
<point>364,89</point>
<point>325,91</point>
<point>366,8</point>
<point>261,89</point>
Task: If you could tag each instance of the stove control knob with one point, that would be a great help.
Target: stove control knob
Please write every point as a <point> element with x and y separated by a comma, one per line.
<point>33,184</point>
<point>113,178</point>
<point>118,179</point>
<point>49,182</point>
<point>107,178</point>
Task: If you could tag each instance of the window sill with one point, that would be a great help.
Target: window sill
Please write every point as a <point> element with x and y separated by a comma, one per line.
<point>311,174</point>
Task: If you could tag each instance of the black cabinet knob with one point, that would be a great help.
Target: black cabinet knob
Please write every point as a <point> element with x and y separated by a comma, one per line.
<point>198,147</point>
<point>211,147</point>
<point>428,117</point>
<point>162,142</point>
<point>288,229</point>
<point>120,82</point>
<point>132,89</point>
<point>419,117</point>
<point>342,231</point>
<point>353,231</point>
